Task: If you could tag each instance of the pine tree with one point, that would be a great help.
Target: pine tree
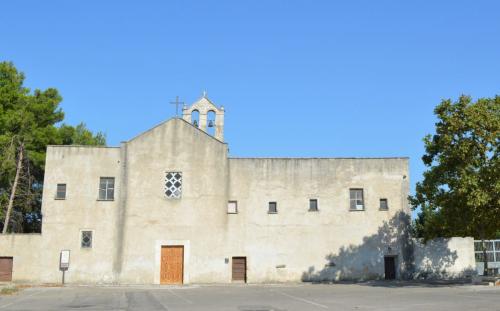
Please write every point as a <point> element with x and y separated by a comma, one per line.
<point>28,123</point>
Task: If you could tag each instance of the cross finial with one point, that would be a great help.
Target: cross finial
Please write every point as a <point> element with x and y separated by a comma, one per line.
<point>205,93</point>
<point>177,103</point>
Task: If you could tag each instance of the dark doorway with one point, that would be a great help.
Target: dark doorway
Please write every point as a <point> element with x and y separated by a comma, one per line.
<point>6,269</point>
<point>239,267</point>
<point>390,267</point>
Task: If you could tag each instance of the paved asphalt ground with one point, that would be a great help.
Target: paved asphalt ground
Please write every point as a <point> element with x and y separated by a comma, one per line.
<point>371,296</point>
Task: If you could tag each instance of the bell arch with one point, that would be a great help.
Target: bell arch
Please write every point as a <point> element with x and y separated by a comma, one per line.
<point>195,118</point>
<point>210,118</point>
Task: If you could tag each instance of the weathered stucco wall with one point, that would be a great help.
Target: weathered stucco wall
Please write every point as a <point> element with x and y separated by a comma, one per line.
<point>25,250</point>
<point>197,220</point>
<point>333,243</point>
<point>444,258</point>
<point>80,168</point>
<point>292,245</point>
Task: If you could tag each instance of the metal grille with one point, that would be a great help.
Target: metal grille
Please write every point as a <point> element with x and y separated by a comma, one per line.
<point>173,185</point>
<point>492,250</point>
<point>86,239</point>
<point>61,191</point>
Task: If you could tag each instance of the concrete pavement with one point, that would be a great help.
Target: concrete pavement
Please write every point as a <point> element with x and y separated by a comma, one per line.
<point>370,296</point>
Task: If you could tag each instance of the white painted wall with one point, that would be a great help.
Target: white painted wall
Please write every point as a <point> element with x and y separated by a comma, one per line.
<point>445,258</point>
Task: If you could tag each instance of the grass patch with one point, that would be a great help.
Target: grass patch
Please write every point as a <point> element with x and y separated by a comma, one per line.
<point>9,290</point>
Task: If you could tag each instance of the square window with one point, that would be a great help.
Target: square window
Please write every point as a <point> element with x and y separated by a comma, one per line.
<point>273,208</point>
<point>356,201</point>
<point>384,206</point>
<point>86,241</point>
<point>107,188</point>
<point>232,207</point>
<point>173,185</point>
<point>61,192</point>
<point>313,205</point>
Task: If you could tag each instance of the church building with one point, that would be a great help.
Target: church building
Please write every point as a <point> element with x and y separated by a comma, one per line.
<point>171,206</point>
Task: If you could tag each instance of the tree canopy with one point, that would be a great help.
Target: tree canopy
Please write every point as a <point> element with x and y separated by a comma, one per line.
<point>29,121</point>
<point>460,192</point>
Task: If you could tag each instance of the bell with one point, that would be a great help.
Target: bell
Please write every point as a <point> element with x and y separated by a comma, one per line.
<point>210,123</point>
<point>195,123</point>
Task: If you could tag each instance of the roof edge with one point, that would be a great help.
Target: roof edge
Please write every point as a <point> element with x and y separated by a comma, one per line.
<point>85,146</point>
<point>319,158</point>
<point>169,120</point>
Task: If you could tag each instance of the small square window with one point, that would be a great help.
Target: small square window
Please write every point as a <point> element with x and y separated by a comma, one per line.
<point>61,192</point>
<point>384,205</point>
<point>86,241</point>
<point>273,208</point>
<point>107,188</point>
<point>232,207</point>
<point>173,185</point>
<point>313,205</point>
<point>356,201</point>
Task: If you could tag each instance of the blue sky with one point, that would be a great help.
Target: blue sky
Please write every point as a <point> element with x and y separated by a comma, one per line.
<point>297,78</point>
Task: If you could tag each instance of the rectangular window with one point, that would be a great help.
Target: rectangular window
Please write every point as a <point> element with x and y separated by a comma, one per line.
<point>61,192</point>
<point>86,241</point>
<point>356,200</point>
<point>107,189</point>
<point>232,207</point>
<point>384,206</point>
<point>273,208</point>
<point>173,185</point>
<point>313,205</point>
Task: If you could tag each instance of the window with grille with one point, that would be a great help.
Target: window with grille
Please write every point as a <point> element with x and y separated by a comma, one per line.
<point>384,205</point>
<point>173,185</point>
<point>313,205</point>
<point>273,208</point>
<point>107,188</point>
<point>86,241</point>
<point>232,207</point>
<point>492,248</point>
<point>356,200</point>
<point>61,192</point>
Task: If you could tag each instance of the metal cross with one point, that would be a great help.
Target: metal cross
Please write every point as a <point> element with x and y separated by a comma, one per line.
<point>177,103</point>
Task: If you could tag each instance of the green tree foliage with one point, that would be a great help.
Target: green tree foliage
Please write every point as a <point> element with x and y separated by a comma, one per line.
<point>80,135</point>
<point>28,123</point>
<point>460,192</point>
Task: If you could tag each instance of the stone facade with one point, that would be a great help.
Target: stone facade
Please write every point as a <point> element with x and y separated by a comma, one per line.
<point>295,244</point>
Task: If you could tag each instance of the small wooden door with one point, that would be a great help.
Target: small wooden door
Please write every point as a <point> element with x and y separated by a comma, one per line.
<point>6,269</point>
<point>390,267</point>
<point>172,264</point>
<point>239,267</point>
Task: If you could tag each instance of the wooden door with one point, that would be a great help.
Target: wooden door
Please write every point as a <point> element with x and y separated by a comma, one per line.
<point>390,267</point>
<point>6,269</point>
<point>172,264</point>
<point>239,267</point>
